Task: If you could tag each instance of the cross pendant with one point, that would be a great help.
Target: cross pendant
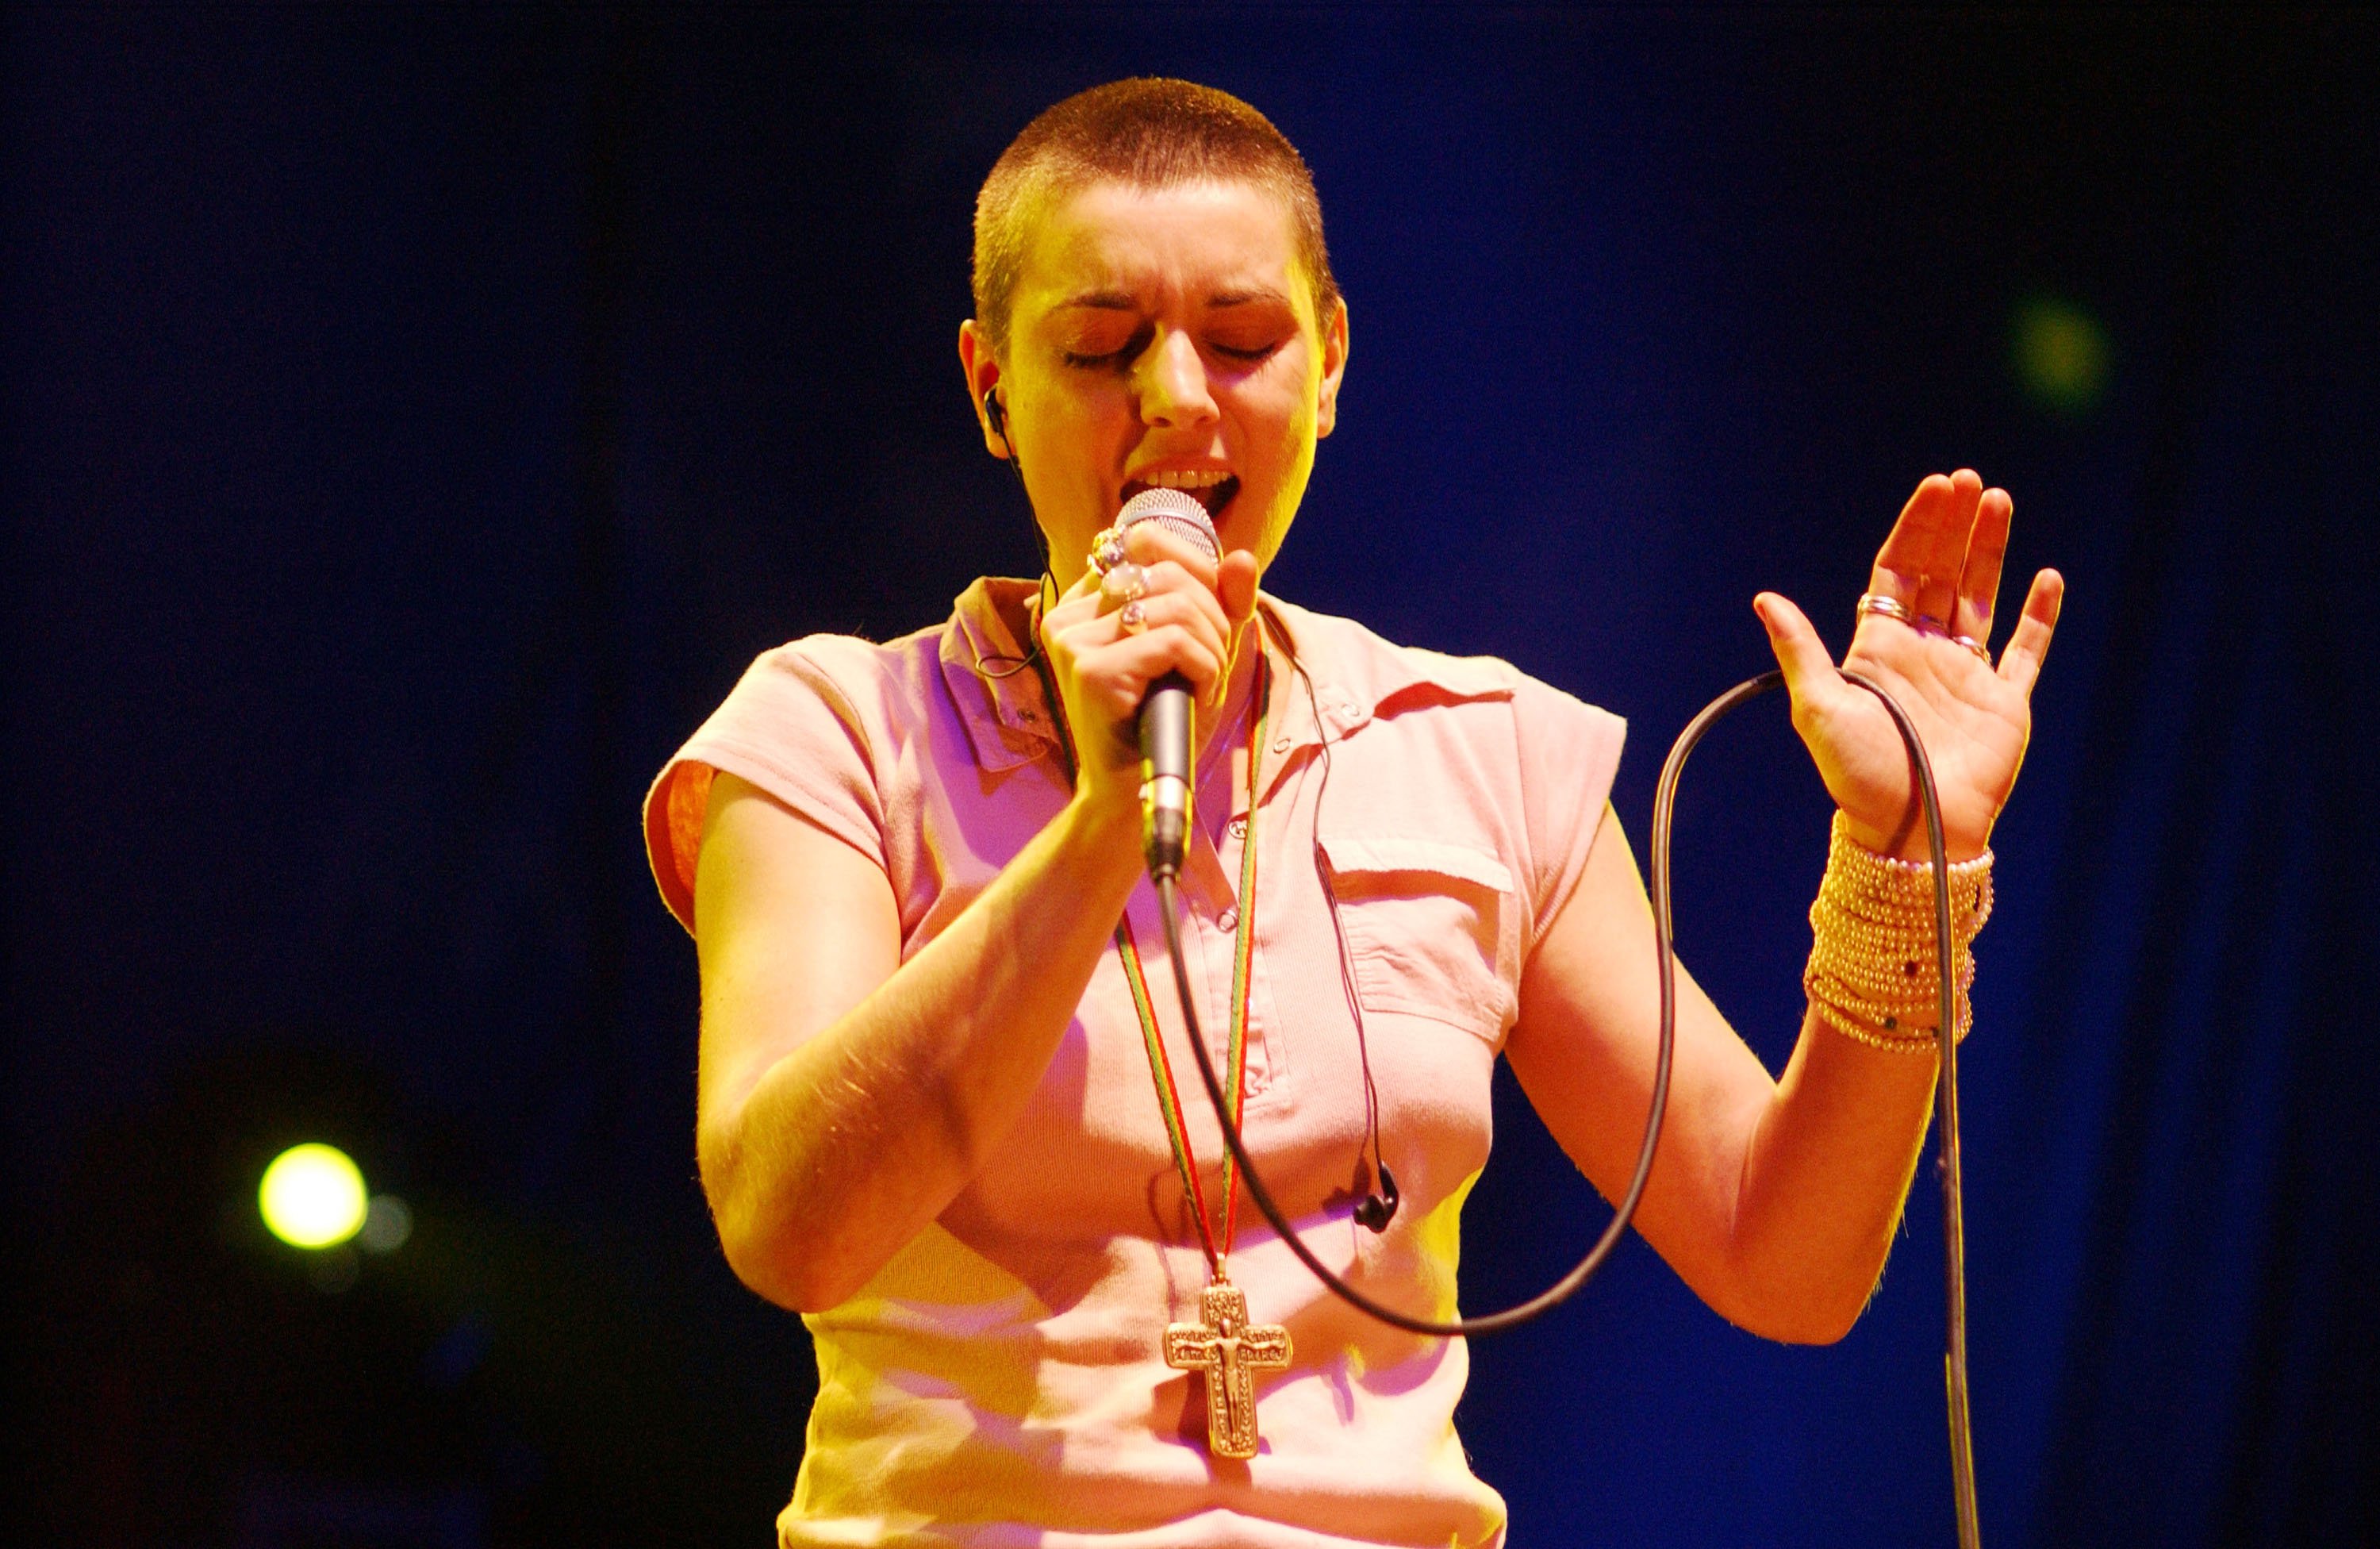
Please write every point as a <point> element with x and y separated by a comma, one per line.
<point>1231,1353</point>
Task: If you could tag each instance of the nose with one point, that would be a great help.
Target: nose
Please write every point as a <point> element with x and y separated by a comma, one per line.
<point>1173,383</point>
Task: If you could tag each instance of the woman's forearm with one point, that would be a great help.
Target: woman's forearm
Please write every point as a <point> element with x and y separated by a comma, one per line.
<point>832,1155</point>
<point>1826,1169</point>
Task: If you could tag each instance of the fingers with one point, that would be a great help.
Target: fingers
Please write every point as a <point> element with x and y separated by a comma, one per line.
<point>1181,594</point>
<point>1943,558</point>
<point>1177,624</point>
<point>1190,609</point>
<point>1187,613</point>
<point>2021,663</point>
<point>1901,565</point>
<point>1172,563</point>
<point>1979,581</point>
<point>1129,663</point>
<point>1078,602</point>
<point>1148,544</point>
<point>1809,671</point>
<point>1235,587</point>
<point>1106,672</point>
<point>1923,557</point>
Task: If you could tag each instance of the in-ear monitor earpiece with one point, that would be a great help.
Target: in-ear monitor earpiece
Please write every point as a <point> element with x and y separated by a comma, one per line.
<point>1379,1207</point>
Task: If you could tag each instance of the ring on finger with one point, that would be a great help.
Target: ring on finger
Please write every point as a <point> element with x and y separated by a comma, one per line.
<point>1124,583</point>
<point>1133,617</point>
<point>1982,652</point>
<point>1883,607</point>
<point>1926,624</point>
<point>1107,551</point>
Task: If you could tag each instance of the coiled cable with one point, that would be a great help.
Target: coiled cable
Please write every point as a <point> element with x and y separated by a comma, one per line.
<point>1963,1468</point>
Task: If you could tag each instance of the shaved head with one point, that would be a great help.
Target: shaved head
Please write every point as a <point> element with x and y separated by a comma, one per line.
<point>1146,134</point>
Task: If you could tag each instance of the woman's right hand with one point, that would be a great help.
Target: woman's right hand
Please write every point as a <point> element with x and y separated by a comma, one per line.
<point>1195,611</point>
<point>848,1094</point>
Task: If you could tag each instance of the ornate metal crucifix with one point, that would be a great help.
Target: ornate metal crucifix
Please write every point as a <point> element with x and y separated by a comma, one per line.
<point>1223,1345</point>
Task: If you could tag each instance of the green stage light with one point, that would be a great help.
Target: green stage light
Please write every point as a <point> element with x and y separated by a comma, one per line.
<point>312,1196</point>
<point>2061,356</point>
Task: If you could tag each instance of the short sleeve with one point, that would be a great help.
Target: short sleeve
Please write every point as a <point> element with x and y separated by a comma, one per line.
<point>1570,755</point>
<point>792,727</point>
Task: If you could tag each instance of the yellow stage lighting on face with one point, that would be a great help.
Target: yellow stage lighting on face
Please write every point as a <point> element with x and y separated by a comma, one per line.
<point>312,1197</point>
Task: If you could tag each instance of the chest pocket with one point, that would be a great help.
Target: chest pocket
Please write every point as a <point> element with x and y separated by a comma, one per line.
<point>1426,922</point>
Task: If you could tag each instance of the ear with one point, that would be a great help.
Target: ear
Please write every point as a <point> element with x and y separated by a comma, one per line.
<point>983,370</point>
<point>1334,367</point>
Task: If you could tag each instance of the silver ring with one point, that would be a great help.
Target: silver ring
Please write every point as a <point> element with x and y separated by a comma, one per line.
<point>1983,653</point>
<point>1131,617</point>
<point>1883,607</point>
<point>1124,583</point>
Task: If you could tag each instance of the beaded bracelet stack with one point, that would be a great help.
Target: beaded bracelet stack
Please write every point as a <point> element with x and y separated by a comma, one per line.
<point>1874,973</point>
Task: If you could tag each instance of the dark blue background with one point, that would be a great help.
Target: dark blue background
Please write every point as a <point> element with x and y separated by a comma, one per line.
<point>415,420</point>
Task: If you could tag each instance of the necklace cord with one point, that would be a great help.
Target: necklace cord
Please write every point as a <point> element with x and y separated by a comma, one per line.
<point>1664,812</point>
<point>1217,1246</point>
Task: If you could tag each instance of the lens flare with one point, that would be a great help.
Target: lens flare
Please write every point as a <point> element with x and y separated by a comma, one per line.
<point>2061,355</point>
<point>388,1221</point>
<point>312,1197</point>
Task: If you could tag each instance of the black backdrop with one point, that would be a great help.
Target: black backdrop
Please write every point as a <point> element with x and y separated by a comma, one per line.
<point>416,418</point>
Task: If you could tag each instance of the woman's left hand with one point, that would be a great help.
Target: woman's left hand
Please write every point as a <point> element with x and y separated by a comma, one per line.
<point>1942,566</point>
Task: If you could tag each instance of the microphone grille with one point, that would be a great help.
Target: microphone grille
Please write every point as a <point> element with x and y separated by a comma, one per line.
<point>1176,511</point>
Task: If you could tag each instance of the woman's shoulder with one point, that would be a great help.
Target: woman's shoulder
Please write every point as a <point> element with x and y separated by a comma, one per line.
<point>1478,746</point>
<point>1380,673</point>
<point>839,728</point>
<point>895,677</point>
<point>844,667</point>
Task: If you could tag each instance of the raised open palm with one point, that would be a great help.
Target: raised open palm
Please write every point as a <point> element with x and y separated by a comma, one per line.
<point>1924,633</point>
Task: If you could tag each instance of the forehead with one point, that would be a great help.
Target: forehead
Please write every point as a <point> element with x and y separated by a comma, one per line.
<point>1191,242</point>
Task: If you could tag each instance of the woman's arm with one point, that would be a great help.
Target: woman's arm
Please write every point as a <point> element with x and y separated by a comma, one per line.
<point>843,1103</point>
<point>1776,1199</point>
<point>845,1097</point>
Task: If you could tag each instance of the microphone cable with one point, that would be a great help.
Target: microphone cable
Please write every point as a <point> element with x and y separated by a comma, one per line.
<point>1954,1361</point>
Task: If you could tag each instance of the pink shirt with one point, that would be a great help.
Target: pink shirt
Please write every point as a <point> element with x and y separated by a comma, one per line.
<point>1001,1381</point>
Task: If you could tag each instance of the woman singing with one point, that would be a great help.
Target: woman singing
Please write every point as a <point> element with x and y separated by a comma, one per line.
<point>947,1105</point>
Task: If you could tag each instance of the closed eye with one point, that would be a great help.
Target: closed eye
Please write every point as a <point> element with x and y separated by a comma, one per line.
<point>1110,360</point>
<point>1122,356</point>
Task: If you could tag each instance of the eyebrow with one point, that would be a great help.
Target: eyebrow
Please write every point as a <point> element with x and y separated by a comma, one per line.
<point>1120,301</point>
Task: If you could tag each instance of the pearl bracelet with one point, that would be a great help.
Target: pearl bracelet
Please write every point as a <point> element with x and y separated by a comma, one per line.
<point>1874,974</point>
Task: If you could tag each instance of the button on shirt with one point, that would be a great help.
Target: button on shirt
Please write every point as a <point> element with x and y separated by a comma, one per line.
<point>1002,1379</point>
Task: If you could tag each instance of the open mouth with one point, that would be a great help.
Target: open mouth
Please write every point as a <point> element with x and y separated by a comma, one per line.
<point>1212,489</point>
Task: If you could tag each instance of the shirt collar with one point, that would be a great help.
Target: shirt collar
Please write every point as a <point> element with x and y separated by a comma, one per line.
<point>1356,677</point>
<point>1005,712</point>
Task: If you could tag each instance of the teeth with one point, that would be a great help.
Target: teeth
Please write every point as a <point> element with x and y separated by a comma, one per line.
<point>1200,479</point>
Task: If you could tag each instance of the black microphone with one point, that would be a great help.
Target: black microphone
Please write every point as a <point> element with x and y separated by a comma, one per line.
<point>1165,713</point>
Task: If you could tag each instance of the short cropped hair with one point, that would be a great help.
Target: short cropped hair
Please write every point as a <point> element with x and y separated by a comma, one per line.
<point>1147,133</point>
